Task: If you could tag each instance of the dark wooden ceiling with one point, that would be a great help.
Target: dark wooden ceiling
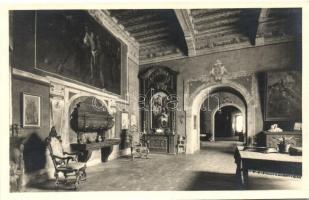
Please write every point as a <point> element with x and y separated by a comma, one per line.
<point>157,31</point>
<point>171,33</point>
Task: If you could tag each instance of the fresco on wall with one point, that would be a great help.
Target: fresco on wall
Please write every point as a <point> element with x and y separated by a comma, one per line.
<point>70,44</point>
<point>284,96</point>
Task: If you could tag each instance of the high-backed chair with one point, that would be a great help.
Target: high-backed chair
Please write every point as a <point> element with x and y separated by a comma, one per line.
<point>65,163</point>
<point>139,147</point>
<point>181,144</point>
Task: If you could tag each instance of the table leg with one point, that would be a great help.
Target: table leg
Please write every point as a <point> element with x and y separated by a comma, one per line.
<point>84,156</point>
<point>105,152</point>
<point>239,175</point>
<point>245,177</point>
<point>239,170</point>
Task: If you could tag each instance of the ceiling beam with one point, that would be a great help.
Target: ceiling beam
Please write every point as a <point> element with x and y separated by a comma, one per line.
<point>186,24</point>
<point>217,16</point>
<point>139,27</point>
<point>158,41</point>
<point>153,37</point>
<point>215,24</point>
<point>139,19</point>
<point>150,31</point>
<point>264,14</point>
<point>203,12</point>
<point>261,25</point>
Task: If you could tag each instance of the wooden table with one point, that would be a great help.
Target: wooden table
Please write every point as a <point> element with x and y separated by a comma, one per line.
<point>86,149</point>
<point>253,159</point>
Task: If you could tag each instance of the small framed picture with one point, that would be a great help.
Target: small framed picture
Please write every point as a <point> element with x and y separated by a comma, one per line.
<point>124,120</point>
<point>31,110</point>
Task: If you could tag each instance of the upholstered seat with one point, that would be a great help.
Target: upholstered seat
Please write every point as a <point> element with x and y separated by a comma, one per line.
<point>72,166</point>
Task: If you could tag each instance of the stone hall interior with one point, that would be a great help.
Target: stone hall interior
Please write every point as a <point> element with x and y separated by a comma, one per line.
<point>155,99</point>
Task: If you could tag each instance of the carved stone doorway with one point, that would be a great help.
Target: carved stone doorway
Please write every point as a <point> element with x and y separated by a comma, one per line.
<point>196,99</point>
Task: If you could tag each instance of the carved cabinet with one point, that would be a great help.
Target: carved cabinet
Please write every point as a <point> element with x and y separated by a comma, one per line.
<point>161,143</point>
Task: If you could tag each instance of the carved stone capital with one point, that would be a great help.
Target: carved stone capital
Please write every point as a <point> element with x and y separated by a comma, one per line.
<point>56,90</point>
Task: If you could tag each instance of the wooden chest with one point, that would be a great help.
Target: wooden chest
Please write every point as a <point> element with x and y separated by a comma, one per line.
<point>271,139</point>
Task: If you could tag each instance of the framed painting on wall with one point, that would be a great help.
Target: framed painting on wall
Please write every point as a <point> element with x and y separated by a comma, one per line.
<point>69,44</point>
<point>31,110</point>
<point>283,99</point>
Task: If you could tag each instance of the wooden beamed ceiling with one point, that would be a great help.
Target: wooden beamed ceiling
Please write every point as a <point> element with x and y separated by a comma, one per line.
<point>168,34</point>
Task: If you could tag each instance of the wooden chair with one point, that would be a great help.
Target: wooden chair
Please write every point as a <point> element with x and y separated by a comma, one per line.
<point>139,147</point>
<point>65,163</point>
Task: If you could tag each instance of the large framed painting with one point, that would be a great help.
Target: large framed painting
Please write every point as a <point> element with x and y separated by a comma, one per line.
<point>283,96</point>
<point>31,110</point>
<point>69,44</point>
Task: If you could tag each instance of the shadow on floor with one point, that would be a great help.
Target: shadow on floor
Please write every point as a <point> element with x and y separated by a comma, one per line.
<point>213,181</point>
<point>223,181</point>
<point>49,185</point>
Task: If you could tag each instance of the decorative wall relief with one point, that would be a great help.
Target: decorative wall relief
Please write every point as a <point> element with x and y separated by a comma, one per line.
<point>218,70</point>
<point>125,121</point>
<point>57,107</point>
<point>133,123</point>
<point>284,96</point>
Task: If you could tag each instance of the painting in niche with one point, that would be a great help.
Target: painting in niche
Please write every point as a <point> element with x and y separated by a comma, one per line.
<point>72,44</point>
<point>159,111</point>
<point>284,96</point>
<point>31,110</point>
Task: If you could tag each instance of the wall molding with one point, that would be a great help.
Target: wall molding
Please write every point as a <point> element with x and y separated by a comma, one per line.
<point>207,51</point>
<point>55,81</point>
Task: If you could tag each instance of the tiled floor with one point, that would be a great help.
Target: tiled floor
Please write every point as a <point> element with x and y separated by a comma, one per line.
<point>212,168</point>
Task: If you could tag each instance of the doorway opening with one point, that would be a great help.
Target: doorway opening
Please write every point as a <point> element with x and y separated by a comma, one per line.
<point>229,124</point>
<point>223,116</point>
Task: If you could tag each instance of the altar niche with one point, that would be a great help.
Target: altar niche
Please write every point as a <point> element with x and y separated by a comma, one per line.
<point>158,105</point>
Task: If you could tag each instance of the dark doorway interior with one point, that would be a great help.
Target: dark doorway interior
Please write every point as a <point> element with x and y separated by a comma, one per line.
<point>228,123</point>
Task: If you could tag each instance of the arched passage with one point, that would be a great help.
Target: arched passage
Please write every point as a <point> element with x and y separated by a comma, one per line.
<point>195,101</point>
<point>228,123</point>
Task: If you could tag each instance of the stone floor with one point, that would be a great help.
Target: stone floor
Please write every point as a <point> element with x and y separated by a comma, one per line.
<point>212,168</point>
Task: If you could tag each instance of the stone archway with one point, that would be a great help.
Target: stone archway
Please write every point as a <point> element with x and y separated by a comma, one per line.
<point>194,102</point>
